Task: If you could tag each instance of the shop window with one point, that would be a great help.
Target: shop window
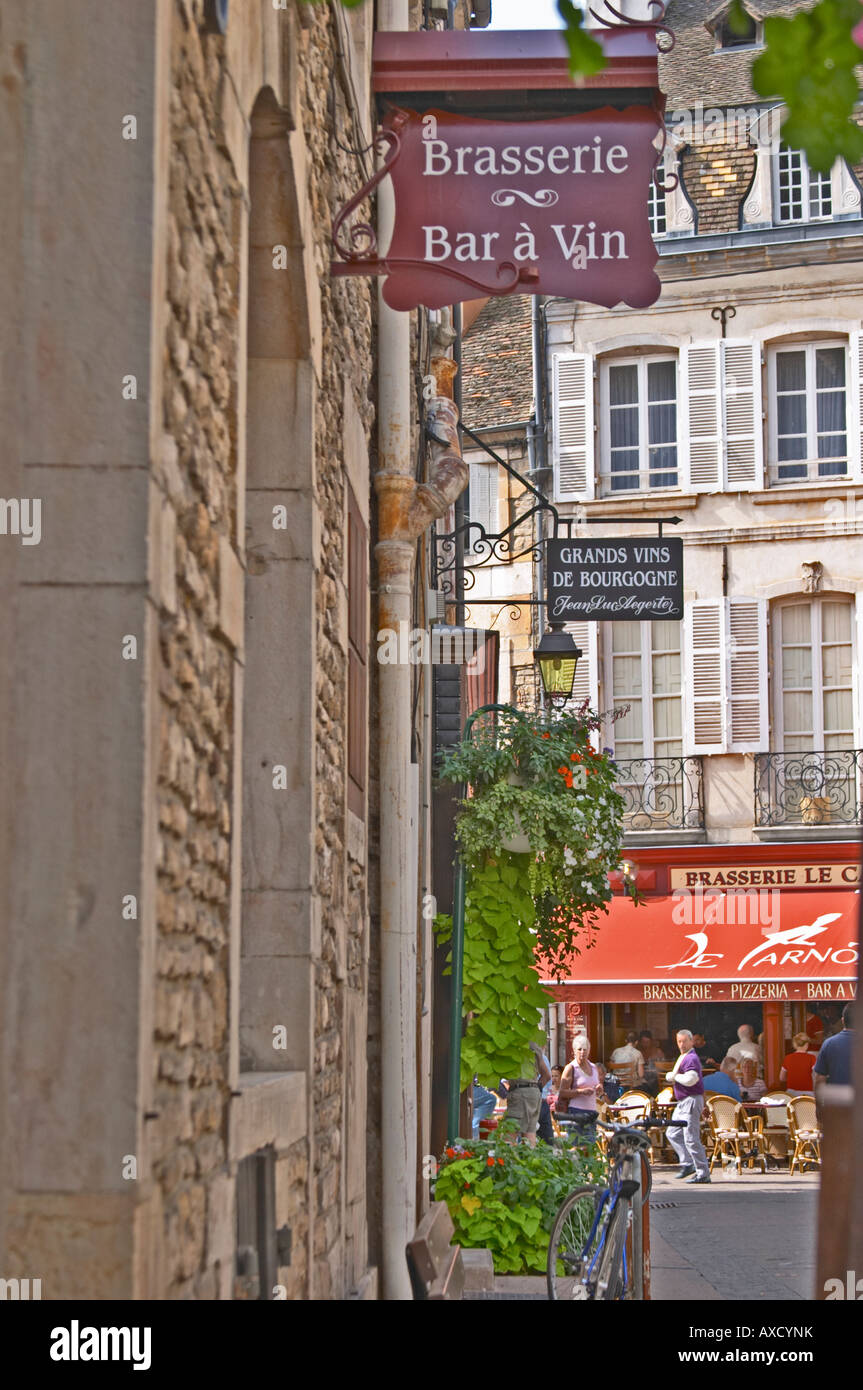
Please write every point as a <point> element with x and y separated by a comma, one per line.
<point>639,424</point>
<point>802,194</point>
<point>808,412</point>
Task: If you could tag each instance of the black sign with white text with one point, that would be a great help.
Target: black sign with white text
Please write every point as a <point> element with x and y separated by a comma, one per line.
<point>605,580</point>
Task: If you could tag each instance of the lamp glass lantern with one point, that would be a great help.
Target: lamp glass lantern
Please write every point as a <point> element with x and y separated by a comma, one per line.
<point>557,657</point>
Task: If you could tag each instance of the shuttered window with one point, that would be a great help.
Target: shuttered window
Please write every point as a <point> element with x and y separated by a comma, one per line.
<point>813,665</point>
<point>638,424</point>
<point>725,690</point>
<point>808,412</point>
<point>572,418</point>
<point>643,664</point>
<point>358,584</point>
<point>586,684</point>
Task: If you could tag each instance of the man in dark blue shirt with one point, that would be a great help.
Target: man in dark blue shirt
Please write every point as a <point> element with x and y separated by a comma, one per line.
<point>833,1063</point>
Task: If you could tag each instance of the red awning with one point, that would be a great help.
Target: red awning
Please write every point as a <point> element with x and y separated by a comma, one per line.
<point>745,945</point>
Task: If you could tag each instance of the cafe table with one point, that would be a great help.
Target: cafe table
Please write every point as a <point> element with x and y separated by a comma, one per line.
<point>775,1136</point>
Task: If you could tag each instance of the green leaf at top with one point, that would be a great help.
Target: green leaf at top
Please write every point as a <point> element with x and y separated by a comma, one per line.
<point>809,61</point>
<point>585,54</point>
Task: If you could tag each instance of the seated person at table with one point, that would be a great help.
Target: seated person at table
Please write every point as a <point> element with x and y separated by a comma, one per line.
<point>651,1052</point>
<point>627,1062</point>
<point>795,1075</point>
<point>704,1051</point>
<point>751,1087</point>
<point>746,1047</point>
<point>724,1081</point>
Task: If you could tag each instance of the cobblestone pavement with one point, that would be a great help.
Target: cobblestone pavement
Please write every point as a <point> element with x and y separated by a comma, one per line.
<point>742,1238</point>
<point>749,1239</point>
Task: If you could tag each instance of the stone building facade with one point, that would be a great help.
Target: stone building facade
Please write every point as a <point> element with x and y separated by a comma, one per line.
<point>186,846</point>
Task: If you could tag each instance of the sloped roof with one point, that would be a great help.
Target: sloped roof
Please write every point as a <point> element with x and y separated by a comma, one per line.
<point>693,71</point>
<point>497,381</point>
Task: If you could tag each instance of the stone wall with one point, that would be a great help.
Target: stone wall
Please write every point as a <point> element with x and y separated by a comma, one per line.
<point>198,472</point>
<point>343,424</point>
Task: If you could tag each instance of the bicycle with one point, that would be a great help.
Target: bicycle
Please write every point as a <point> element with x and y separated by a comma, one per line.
<point>588,1237</point>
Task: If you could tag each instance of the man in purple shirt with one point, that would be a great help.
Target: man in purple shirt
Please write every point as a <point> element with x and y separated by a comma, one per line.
<point>684,1132</point>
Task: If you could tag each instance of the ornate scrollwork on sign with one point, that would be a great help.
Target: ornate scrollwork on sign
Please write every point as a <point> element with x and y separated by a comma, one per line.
<point>661,176</point>
<point>542,198</point>
<point>664,32</point>
<point>362,245</point>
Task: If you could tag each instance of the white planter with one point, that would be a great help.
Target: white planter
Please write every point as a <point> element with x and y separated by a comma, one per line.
<point>519,842</point>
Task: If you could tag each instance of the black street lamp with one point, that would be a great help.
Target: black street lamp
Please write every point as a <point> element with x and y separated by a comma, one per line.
<point>557,657</point>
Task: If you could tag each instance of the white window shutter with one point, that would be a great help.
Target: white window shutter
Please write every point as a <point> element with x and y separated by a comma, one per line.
<point>858,675</point>
<point>704,688</point>
<point>741,401</point>
<point>586,684</point>
<point>483,499</point>
<point>572,414</point>
<point>855,409</point>
<point>702,433</point>
<point>746,679</point>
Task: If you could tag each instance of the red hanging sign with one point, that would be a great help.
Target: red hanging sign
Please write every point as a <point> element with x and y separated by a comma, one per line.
<point>483,207</point>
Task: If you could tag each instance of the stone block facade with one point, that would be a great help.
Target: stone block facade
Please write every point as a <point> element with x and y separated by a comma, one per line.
<point>234,1013</point>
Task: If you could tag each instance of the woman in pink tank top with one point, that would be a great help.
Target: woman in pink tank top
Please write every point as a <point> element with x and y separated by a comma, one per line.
<point>581,1083</point>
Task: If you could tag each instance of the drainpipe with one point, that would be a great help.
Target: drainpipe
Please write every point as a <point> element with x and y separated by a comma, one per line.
<point>537,457</point>
<point>405,509</point>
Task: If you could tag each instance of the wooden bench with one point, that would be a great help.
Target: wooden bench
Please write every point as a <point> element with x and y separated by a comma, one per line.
<point>435,1265</point>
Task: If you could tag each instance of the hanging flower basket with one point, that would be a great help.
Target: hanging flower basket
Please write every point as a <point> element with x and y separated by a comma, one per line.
<point>539,833</point>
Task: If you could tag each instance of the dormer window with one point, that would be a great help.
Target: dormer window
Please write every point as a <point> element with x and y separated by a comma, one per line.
<point>730,36</point>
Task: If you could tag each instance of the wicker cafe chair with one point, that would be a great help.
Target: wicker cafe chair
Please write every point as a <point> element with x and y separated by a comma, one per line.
<point>755,1145</point>
<point>776,1123</point>
<point>659,1135</point>
<point>804,1131</point>
<point>631,1109</point>
<point>727,1129</point>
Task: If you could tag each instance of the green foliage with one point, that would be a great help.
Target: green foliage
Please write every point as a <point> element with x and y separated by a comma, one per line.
<point>565,802</point>
<point>809,61</point>
<point>585,54</point>
<point>501,985</point>
<point>504,1196</point>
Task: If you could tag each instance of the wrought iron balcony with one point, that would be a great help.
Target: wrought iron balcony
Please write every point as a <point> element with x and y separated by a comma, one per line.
<point>809,788</point>
<point>661,793</point>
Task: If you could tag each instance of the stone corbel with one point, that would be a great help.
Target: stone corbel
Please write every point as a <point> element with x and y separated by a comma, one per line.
<point>813,576</point>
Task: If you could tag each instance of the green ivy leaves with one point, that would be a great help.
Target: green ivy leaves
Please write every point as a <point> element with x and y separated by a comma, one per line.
<point>501,990</point>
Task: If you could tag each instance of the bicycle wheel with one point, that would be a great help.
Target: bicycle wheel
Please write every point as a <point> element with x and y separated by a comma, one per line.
<point>567,1257</point>
<point>609,1272</point>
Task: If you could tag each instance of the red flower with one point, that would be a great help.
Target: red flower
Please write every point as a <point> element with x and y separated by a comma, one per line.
<point>467,1184</point>
<point>575,757</point>
<point>500,1161</point>
<point>546,735</point>
<point>450,1153</point>
<point>489,1163</point>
